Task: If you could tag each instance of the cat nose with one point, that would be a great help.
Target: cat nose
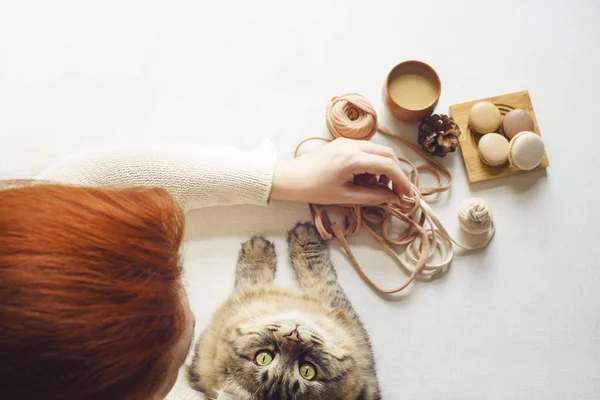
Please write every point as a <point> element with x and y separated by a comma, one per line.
<point>294,336</point>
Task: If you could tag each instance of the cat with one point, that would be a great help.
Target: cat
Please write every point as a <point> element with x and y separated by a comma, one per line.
<point>268,342</point>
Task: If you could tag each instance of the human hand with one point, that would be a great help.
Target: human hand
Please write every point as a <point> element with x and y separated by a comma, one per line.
<point>325,175</point>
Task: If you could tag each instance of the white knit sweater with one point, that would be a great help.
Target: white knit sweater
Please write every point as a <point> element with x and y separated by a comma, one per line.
<point>196,175</point>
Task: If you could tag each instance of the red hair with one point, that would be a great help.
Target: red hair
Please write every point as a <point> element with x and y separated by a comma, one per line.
<point>90,283</point>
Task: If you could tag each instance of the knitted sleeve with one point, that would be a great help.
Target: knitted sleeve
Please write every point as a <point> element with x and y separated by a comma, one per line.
<point>196,175</point>
<point>181,391</point>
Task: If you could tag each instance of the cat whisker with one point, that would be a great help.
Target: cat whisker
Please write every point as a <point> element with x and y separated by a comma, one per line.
<point>243,309</point>
<point>258,389</point>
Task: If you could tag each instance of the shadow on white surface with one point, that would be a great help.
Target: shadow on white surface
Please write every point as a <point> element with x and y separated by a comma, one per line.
<point>517,183</point>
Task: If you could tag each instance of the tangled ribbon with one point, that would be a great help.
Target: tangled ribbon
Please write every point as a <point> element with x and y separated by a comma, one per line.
<point>352,116</point>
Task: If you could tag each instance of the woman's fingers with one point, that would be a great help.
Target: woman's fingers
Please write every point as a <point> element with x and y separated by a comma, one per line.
<point>401,181</point>
<point>367,195</point>
<point>377,149</point>
<point>380,165</point>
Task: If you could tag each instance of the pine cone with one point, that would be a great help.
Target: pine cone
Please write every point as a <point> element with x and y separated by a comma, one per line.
<point>438,134</point>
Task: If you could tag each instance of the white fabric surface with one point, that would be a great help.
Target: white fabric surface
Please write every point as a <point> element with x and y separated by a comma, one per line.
<point>519,320</point>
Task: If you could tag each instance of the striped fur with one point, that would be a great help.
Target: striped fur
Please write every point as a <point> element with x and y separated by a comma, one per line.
<point>316,325</point>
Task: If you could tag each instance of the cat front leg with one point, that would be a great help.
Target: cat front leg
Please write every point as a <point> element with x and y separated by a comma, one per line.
<point>256,263</point>
<point>309,255</point>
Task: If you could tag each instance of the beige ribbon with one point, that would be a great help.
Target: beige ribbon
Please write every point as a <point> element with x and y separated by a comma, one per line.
<point>352,116</point>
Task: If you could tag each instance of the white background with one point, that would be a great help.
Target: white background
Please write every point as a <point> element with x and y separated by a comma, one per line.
<point>520,320</point>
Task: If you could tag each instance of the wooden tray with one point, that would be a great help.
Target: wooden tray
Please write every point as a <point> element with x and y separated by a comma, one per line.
<point>477,171</point>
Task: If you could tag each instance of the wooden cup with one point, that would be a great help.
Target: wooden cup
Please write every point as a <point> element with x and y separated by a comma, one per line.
<point>412,67</point>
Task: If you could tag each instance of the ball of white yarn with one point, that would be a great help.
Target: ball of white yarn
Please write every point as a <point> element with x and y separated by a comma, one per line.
<point>475,216</point>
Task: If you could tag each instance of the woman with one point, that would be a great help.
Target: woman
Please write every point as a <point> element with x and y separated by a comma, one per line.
<point>91,300</point>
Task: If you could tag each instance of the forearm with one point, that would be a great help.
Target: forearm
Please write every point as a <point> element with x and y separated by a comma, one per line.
<point>196,175</point>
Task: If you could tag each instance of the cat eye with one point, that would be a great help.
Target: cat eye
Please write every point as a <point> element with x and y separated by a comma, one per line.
<point>263,358</point>
<point>308,371</point>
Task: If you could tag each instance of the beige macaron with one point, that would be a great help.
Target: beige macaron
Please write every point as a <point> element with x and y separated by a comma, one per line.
<point>516,121</point>
<point>485,117</point>
<point>526,151</point>
<point>493,149</point>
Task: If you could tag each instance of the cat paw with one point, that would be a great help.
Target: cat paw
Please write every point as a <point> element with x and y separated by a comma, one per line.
<point>305,236</point>
<point>258,249</point>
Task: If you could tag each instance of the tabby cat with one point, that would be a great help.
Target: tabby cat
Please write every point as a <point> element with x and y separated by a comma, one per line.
<point>267,342</point>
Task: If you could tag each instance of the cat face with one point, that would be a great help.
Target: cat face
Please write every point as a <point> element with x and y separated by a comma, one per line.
<point>287,357</point>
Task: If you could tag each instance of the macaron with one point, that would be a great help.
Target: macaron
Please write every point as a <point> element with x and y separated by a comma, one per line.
<point>485,117</point>
<point>493,149</point>
<point>516,121</point>
<point>526,151</point>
